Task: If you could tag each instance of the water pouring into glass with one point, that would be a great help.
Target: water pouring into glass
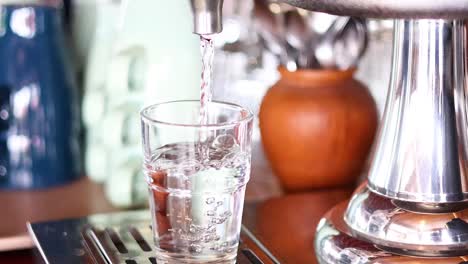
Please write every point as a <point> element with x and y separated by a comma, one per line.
<point>197,164</point>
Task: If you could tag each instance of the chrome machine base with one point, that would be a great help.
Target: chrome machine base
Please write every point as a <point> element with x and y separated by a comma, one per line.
<point>377,219</point>
<point>335,244</point>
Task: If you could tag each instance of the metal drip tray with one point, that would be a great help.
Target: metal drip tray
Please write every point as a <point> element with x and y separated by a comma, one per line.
<point>117,238</point>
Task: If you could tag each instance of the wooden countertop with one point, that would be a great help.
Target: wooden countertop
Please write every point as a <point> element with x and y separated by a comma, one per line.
<point>286,225</point>
<point>77,199</point>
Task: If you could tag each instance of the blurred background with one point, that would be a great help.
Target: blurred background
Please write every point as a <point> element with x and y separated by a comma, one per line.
<point>129,54</point>
<point>75,74</point>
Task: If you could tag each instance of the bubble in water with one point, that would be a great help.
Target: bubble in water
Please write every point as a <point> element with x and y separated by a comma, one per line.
<point>189,167</point>
<point>191,238</point>
<point>195,248</point>
<point>210,213</point>
<point>235,159</point>
<point>210,200</point>
<point>226,214</point>
<point>224,142</point>
<point>207,238</point>
<point>218,220</point>
<point>219,203</point>
<point>215,164</point>
<point>196,228</point>
<point>240,171</point>
<point>229,160</point>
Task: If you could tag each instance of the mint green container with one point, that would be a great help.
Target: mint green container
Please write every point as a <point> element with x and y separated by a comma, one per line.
<point>145,54</point>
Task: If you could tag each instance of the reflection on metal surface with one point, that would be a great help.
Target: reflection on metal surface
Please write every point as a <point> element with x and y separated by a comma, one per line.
<point>388,8</point>
<point>123,237</point>
<point>334,244</point>
<point>207,16</point>
<point>421,151</point>
<point>376,219</point>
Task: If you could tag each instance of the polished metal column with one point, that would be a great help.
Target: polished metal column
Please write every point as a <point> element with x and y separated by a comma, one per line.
<point>207,16</point>
<point>421,152</point>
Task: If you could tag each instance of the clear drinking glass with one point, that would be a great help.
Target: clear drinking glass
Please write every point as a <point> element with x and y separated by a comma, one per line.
<point>196,177</point>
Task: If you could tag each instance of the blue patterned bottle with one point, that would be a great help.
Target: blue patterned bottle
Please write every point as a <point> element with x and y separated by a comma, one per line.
<point>39,122</point>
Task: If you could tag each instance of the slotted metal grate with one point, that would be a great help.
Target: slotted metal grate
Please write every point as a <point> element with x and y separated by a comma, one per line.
<point>130,244</point>
<point>122,238</point>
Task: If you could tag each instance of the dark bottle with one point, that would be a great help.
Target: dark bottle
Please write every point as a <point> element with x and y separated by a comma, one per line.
<point>39,122</point>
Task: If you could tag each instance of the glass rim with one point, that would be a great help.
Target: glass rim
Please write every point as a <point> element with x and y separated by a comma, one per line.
<point>144,115</point>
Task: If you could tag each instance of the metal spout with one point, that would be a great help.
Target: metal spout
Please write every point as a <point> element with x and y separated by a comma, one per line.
<point>420,159</point>
<point>207,16</point>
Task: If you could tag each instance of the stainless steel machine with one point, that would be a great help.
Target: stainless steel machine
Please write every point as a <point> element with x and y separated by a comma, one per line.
<point>415,202</point>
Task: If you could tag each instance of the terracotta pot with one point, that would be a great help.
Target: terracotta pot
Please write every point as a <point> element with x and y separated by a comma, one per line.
<point>317,128</point>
